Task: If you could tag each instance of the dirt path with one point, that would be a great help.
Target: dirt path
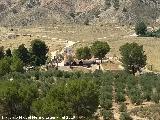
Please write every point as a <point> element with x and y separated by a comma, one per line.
<point>67,45</point>
<point>101,67</point>
<point>128,103</point>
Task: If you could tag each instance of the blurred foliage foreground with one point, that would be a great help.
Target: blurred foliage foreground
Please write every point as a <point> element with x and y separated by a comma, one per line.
<point>56,93</point>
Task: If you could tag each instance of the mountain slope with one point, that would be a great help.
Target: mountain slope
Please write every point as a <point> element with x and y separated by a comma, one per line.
<point>47,12</point>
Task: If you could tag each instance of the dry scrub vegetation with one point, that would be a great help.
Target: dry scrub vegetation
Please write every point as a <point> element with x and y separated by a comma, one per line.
<point>55,37</point>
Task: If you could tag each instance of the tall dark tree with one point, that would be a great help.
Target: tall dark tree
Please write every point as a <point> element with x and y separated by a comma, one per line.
<point>23,54</point>
<point>133,57</point>
<point>83,53</point>
<point>8,52</point>
<point>100,49</point>
<point>1,52</point>
<point>39,52</point>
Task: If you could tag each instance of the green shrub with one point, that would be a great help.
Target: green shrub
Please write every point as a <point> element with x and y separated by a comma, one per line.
<point>107,115</point>
<point>123,107</point>
<point>147,95</point>
<point>141,28</point>
<point>136,99</point>
<point>156,33</point>
<point>135,95</point>
<point>58,73</point>
<point>120,97</point>
<point>106,95</point>
<point>153,33</point>
<point>119,89</point>
<point>125,116</point>
<point>106,104</point>
<point>155,97</point>
<point>107,88</point>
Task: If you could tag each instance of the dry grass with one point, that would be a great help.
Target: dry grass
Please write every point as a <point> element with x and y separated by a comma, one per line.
<point>150,112</point>
<point>55,36</point>
<point>111,66</point>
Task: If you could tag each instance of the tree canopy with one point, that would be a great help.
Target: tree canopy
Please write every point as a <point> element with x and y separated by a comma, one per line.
<point>59,93</point>
<point>39,51</point>
<point>17,64</point>
<point>18,98</point>
<point>100,49</point>
<point>23,54</point>
<point>79,98</point>
<point>83,53</point>
<point>10,64</point>
<point>141,28</point>
<point>133,57</point>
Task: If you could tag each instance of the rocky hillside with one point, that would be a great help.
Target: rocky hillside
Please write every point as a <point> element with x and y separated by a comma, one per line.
<point>47,12</point>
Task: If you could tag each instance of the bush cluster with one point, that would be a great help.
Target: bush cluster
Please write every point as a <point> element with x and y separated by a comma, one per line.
<point>120,86</point>
<point>141,30</point>
<point>125,116</point>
